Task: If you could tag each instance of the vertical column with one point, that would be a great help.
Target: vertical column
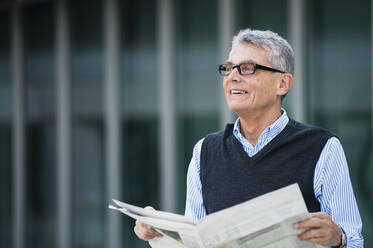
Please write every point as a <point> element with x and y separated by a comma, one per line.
<point>297,27</point>
<point>112,117</point>
<point>63,127</point>
<point>226,11</point>
<point>167,111</point>
<point>18,129</point>
<point>371,65</point>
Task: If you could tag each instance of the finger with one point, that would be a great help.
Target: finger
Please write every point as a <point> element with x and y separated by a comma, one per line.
<point>309,223</point>
<point>143,225</point>
<point>151,231</point>
<point>311,234</point>
<point>145,228</point>
<point>320,215</point>
<point>145,232</point>
<point>139,233</point>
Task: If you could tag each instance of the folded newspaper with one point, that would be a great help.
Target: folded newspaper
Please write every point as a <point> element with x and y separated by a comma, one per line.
<point>265,221</point>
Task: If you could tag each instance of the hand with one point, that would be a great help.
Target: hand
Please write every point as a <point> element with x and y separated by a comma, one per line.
<point>323,230</point>
<point>144,231</point>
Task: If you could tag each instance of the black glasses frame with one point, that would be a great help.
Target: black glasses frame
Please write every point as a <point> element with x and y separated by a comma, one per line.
<point>256,66</point>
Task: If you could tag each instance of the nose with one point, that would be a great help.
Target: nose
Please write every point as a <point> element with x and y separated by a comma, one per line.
<point>234,75</point>
<point>236,67</point>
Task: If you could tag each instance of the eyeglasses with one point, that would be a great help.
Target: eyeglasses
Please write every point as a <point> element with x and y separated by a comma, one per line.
<point>244,68</point>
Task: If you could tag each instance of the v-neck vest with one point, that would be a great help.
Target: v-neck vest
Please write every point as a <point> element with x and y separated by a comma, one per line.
<point>229,176</point>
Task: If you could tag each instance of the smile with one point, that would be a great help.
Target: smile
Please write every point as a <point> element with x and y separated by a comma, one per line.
<point>238,92</point>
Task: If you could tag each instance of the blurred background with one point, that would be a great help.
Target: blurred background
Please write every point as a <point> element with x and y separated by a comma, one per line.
<point>103,99</point>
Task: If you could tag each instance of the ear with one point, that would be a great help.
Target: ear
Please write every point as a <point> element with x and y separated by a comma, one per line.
<point>286,81</point>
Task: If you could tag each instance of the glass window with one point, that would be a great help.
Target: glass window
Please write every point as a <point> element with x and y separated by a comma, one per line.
<point>339,82</point>
<point>5,131</point>
<point>264,15</point>
<point>338,88</point>
<point>38,25</point>
<point>88,170</point>
<point>139,94</point>
<point>198,84</point>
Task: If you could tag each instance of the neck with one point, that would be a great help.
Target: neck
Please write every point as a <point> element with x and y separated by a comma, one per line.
<point>253,124</point>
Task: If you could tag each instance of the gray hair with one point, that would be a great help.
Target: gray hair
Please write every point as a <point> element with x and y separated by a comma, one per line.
<point>280,53</point>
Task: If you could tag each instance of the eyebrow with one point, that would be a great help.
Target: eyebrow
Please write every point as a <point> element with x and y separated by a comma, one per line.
<point>245,61</point>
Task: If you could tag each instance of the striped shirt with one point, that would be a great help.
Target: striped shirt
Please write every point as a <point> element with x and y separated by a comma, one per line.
<point>331,183</point>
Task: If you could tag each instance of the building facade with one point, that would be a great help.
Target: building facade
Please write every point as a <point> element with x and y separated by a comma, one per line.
<point>104,99</point>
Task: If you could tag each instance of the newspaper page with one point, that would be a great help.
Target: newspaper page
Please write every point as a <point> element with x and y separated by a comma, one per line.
<point>263,222</point>
<point>154,213</point>
<point>177,230</point>
<point>165,242</point>
<point>266,221</point>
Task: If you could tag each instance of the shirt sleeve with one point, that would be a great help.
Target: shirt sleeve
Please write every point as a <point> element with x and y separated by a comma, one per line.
<point>194,207</point>
<point>333,189</point>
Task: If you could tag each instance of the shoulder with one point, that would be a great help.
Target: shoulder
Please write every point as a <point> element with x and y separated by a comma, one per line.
<point>219,135</point>
<point>197,148</point>
<point>333,154</point>
<point>308,129</point>
<point>210,138</point>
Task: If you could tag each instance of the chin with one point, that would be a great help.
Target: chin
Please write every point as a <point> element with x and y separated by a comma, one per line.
<point>236,109</point>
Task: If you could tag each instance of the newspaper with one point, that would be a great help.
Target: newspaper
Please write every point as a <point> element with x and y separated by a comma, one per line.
<point>263,222</point>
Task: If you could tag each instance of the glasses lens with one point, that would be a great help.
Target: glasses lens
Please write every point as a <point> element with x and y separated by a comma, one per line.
<point>223,69</point>
<point>247,68</point>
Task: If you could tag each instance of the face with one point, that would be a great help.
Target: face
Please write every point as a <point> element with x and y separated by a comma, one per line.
<point>255,93</point>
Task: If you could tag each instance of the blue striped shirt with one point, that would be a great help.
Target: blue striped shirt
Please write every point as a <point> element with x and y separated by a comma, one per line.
<point>331,181</point>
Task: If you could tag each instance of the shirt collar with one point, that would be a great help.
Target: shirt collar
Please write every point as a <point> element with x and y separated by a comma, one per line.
<point>268,134</point>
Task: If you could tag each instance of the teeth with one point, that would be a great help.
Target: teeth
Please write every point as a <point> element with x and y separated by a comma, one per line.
<point>238,92</point>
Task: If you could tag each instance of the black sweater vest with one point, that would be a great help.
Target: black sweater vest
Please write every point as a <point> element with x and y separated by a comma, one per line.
<point>229,176</point>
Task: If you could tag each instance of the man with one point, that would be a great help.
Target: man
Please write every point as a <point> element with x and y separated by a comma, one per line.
<point>265,150</point>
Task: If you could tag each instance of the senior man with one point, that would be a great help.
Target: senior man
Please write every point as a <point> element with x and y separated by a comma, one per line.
<point>265,150</point>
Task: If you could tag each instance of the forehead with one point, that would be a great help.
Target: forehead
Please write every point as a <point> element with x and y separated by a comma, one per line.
<point>248,52</point>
